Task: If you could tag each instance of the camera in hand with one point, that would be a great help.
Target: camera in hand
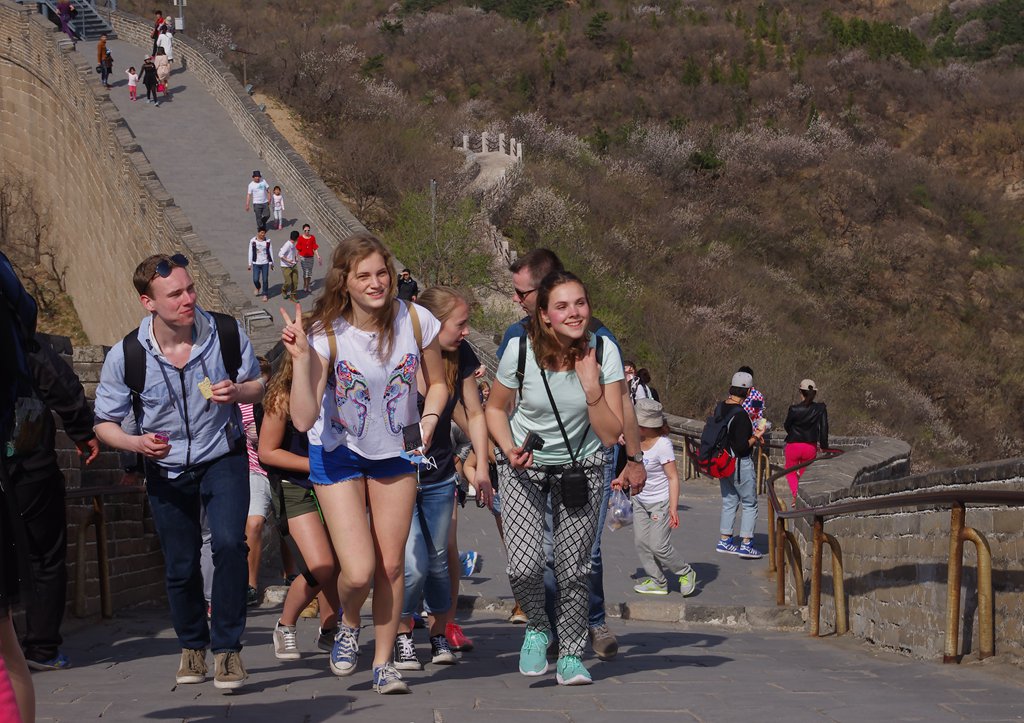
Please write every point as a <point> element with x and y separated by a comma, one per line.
<point>533,442</point>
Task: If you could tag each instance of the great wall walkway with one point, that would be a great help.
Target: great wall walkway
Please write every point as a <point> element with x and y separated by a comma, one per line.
<point>725,654</point>
<point>726,662</point>
<point>206,165</point>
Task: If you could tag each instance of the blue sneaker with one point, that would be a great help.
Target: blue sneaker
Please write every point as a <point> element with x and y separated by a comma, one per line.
<point>748,552</point>
<point>533,656</point>
<point>345,651</point>
<point>570,671</point>
<point>727,546</point>
<point>60,662</point>
<point>468,560</point>
<point>388,681</point>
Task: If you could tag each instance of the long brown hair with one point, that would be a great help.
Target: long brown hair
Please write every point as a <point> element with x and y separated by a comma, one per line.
<point>441,301</point>
<point>279,389</point>
<point>547,349</point>
<point>334,301</point>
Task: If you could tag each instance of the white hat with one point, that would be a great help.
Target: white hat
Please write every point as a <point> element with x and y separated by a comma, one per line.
<point>742,380</point>
<point>808,385</point>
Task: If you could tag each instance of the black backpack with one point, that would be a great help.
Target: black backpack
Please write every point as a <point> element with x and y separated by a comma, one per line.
<point>135,358</point>
<point>714,457</point>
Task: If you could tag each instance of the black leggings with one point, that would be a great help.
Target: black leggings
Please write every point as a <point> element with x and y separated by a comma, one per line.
<point>150,91</point>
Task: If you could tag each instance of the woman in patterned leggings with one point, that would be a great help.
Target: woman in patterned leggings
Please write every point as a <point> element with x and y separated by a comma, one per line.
<point>569,387</point>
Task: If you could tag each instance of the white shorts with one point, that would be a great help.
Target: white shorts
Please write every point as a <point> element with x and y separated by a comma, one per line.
<point>259,495</point>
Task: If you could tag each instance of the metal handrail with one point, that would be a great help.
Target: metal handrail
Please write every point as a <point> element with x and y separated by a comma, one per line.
<point>96,518</point>
<point>957,499</point>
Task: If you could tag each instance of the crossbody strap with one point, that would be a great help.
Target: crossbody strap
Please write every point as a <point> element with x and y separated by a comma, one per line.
<point>558,418</point>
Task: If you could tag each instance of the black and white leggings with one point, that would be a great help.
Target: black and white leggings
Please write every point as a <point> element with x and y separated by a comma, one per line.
<point>524,497</point>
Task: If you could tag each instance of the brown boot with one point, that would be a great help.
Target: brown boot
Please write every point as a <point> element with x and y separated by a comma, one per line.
<point>229,673</point>
<point>192,668</point>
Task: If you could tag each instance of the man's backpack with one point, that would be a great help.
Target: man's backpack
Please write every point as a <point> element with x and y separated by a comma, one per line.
<point>135,358</point>
<point>714,457</point>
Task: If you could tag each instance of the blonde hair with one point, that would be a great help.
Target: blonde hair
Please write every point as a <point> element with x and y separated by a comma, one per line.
<point>279,388</point>
<point>335,302</point>
<point>441,301</point>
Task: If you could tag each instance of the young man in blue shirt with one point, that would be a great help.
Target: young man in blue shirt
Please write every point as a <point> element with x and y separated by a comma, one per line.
<point>190,436</point>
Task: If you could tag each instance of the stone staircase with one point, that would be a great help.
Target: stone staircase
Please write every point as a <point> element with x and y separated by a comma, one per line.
<point>88,23</point>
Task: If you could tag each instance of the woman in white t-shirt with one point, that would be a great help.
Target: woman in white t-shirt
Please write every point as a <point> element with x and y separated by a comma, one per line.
<point>354,396</point>
<point>586,386</point>
<point>655,509</point>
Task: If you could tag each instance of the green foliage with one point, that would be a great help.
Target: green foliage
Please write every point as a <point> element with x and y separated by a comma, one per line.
<point>691,73</point>
<point>880,39</point>
<point>624,57</point>
<point>392,28</point>
<point>597,27</point>
<point>522,10</point>
<point>706,160</point>
<point>1002,23</point>
<point>599,140</point>
<point>445,250</point>
<point>373,64</point>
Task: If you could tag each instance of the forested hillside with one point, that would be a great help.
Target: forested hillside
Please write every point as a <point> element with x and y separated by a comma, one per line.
<point>817,189</point>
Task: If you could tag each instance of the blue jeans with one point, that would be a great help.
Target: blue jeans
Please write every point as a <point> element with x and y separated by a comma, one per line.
<point>739,489</point>
<point>596,614</point>
<point>222,488</point>
<point>426,549</point>
<point>261,277</point>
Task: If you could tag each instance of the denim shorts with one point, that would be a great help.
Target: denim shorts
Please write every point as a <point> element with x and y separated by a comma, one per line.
<point>341,464</point>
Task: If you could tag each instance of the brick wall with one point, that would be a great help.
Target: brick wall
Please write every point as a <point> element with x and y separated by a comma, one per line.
<point>136,563</point>
<point>330,217</point>
<point>107,208</point>
<point>896,561</point>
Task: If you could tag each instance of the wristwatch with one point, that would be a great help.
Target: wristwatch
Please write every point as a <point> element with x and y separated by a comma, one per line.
<point>638,457</point>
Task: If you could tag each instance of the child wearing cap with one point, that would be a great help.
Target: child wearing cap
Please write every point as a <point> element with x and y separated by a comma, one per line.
<point>655,512</point>
<point>806,430</point>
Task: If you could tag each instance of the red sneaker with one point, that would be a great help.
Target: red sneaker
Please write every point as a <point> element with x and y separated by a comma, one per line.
<point>456,638</point>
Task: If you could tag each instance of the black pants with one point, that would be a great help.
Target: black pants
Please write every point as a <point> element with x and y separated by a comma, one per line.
<point>40,499</point>
<point>150,91</point>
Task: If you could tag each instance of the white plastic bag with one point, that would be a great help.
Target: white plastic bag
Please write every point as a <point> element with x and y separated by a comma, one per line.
<point>620,510</point>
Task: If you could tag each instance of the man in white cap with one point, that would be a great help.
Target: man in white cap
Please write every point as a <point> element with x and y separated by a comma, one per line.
<point>739,490</point>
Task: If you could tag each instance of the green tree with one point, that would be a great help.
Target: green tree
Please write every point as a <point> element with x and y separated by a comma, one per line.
<point>445,249</point>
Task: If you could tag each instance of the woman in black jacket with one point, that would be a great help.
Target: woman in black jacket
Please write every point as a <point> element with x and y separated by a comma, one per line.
<point>149,80</point>
<point>806,431</point>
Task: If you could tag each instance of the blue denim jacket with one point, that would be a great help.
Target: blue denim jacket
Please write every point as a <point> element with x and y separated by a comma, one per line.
<point>199,429</point>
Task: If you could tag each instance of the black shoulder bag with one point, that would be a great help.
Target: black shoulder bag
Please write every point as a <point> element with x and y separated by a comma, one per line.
<point>574,482</point>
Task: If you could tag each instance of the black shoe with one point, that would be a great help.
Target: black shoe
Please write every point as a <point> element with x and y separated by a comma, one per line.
<point>252,597</point>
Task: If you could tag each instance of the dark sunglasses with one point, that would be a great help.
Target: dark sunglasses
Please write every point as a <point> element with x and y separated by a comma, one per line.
<point>165,266</point>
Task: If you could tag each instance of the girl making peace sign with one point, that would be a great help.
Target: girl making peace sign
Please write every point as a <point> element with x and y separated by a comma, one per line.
<point>354,391</point>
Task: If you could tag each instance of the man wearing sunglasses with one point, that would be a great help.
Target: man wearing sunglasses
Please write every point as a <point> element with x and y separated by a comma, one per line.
<point>527,273</point>
<point>191,439</point>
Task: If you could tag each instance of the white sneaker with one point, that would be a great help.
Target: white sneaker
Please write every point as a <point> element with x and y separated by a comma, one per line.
<point>285,645</point>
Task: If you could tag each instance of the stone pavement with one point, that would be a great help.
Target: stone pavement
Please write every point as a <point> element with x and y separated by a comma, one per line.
<point>730,590</point>
<point>123,671</point>
<point>666,671</point>
<point>204,162</point>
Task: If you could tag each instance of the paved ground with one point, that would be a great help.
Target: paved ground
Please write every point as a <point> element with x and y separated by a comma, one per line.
<point>203,162</point>
<point>124,668</point>
<point>124,672</point>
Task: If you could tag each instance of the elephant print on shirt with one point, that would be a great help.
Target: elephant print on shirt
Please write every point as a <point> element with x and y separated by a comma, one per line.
<point>352,396</point>
<point>401,381</point>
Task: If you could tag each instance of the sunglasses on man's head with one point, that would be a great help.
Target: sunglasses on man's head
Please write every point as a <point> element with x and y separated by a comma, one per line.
<point>165,266</point>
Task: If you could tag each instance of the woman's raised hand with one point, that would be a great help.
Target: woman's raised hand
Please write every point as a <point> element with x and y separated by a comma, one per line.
<point>588,371</point>
<point>293,336</point>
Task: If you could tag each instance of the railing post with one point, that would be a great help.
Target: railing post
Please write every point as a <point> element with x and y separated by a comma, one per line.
<point>953,575</point>
<point>780,562</point>
<point>815,606</point>
<point>501,143</point>
<point>483,142</point>
<point>102,557</point>
<point>986,644</point>
<point>771,539</point>
<point>838,584</point>
<point>465,141</point>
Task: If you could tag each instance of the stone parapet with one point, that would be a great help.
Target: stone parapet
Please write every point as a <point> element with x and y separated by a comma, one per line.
<point>106,208</point>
